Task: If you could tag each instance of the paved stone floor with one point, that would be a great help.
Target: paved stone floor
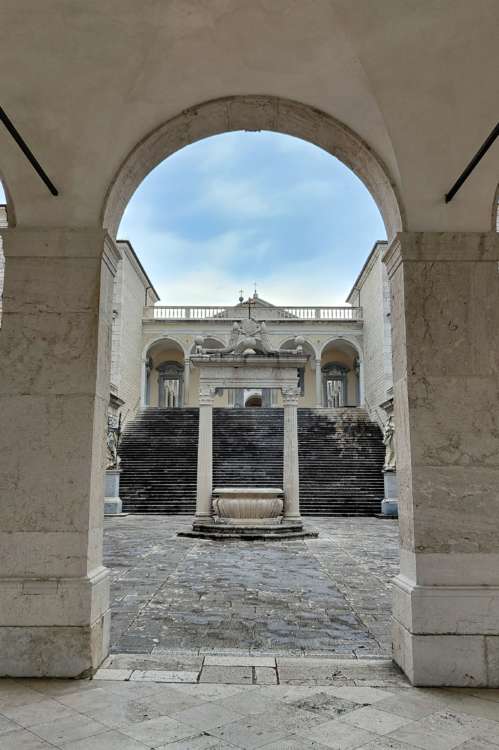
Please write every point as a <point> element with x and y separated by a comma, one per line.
<point>154,694</point>
<point>328,595</point>
<point>315,707</point>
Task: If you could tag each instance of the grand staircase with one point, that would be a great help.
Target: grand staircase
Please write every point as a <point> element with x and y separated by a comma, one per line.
<point>158,453</point>
<point>341,457</point>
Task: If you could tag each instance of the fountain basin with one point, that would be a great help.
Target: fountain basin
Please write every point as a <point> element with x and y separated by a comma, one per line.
<point>248,506</point>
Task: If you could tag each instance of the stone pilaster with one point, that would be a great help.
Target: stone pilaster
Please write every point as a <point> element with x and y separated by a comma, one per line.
<point>187,374</point>
<point>318,383</point>
<point>54,392</point>
<point>205,454</point>
<point>291,477</point>
<point>445,319</point>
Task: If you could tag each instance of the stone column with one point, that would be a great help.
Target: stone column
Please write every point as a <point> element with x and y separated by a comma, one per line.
<point>445,323</point>
<point>54,391</point>
<point>187,372</point>
<point>144,384</point>
<point>291,477</point>
<point>318,384</point>
<point>205,454</point>
<point>361,382</point>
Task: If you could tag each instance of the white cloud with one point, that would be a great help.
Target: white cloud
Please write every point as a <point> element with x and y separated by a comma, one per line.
<point>236,198</point>
<point>225,224</point>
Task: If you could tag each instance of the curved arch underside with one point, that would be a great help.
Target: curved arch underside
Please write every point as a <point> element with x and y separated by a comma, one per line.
<point>255,113</point>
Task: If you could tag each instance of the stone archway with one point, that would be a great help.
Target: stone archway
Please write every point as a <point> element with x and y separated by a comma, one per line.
<point>342,372</point>
<point>443,495</point>
<point>257,112</point>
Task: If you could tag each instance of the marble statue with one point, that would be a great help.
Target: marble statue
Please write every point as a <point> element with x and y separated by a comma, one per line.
<point>248,336</point>
<point>112,443</point>
<point>389,443</point>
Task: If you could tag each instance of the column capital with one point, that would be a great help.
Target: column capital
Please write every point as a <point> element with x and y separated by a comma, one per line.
<point>290,395</point>
<point>206,395</point>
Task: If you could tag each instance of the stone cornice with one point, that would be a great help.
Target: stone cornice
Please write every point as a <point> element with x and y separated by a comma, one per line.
<point>111,255</point>
<point>441,247</point>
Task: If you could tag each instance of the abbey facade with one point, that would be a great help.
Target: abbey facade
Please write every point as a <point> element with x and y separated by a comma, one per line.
<point>348,347</point>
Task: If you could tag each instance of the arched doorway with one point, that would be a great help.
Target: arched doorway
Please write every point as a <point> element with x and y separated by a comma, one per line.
<point>165,374</point>
<point>253,400</point>
<point>340,375</point>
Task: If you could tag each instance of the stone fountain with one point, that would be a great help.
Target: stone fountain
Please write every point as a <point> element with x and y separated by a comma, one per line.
<point>249,361</point>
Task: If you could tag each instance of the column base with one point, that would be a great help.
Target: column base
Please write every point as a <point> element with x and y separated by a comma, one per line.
<point>54,627</point>
<point>113,506</point>
<point>202,518</point>
<point>446,635</point>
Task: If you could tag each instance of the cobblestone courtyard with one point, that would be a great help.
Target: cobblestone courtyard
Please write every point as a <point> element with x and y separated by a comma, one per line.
<point>326,595</point>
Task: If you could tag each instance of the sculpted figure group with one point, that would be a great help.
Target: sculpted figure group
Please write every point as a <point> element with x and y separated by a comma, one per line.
<point>248,336</point>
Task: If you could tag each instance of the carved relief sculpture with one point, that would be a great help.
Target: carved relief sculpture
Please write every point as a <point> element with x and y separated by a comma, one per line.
<point>248,336</point>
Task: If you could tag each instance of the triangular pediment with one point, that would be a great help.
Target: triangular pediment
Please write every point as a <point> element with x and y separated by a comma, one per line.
<point>259,307</point>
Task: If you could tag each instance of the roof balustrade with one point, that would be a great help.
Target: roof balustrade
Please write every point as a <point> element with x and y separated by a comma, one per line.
<point>191,312</point>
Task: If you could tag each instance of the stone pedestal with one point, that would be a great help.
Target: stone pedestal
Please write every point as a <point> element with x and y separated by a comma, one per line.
<point>54,393</point>
<point>112,501</point>
<point>445,319</point>
<point>390,503</point>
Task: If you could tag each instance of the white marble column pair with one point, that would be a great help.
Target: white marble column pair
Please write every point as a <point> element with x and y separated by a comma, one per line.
<point>291,477</point>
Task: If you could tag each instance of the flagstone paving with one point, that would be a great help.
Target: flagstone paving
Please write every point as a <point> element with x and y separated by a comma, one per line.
<point>200,698</point>
<point>101,714</point>
<point>328,595</point>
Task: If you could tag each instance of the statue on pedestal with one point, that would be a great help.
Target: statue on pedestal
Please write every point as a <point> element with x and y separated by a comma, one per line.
<point>112,442</point>
<point>389,443</point>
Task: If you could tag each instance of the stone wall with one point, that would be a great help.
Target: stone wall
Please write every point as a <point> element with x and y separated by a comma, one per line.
<point>128,304</point>
<point>371,291</point>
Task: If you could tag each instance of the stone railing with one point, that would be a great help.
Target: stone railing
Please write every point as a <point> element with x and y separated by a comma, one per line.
<point>190,312</point>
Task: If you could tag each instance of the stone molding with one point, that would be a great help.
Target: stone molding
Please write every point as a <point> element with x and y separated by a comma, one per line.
<point>457,569</point>
<point>446,610</point>
<point>54,602</point>
<point>441,247</point>
<point>111,254</point>
<point>58,242</point>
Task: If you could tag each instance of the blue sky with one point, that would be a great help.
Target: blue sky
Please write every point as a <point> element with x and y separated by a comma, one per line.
<point>242,207</point>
